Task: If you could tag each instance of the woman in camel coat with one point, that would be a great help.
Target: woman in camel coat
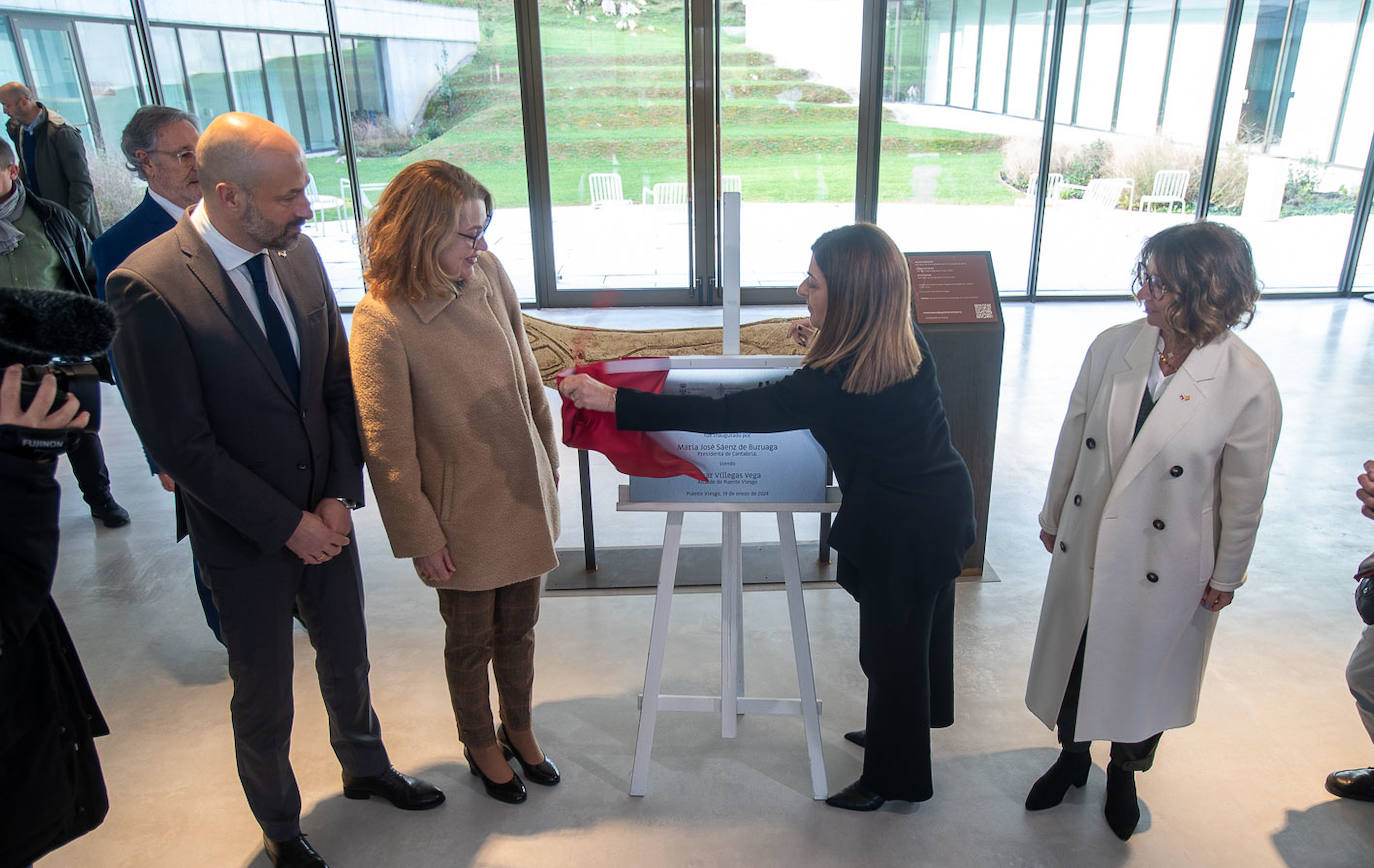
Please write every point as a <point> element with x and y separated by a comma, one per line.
<point>1153,502</point>
<point>460,449</point>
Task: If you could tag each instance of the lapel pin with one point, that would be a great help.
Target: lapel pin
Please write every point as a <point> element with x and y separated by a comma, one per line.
<point>1185,397</point>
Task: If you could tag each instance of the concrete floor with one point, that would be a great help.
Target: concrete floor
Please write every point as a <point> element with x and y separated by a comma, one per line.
<point>1242,786</point>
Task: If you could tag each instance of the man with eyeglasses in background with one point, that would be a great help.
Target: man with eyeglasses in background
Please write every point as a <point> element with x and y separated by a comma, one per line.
<point>51,155</point>
<point>159,146</point>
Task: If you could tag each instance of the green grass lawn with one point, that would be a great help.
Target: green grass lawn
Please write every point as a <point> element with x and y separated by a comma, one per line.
<point>615,102</point>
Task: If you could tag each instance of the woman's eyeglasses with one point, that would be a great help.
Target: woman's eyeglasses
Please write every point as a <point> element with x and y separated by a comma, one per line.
<point>480,235</point>
<point>1152,284</point>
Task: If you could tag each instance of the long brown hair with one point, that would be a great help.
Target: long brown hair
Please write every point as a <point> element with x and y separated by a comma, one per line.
<point>868,309</point>
<point>414,215</point>
<point>1210,272</point>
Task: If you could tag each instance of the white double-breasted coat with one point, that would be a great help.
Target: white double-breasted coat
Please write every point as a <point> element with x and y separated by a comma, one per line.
<point>1142,527</point>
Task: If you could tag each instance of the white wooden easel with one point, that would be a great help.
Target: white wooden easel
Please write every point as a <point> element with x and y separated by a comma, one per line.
<point>731,702</point>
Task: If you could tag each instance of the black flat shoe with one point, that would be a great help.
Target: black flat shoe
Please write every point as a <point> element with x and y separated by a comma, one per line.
<point>1352,784</point>
<point>1122,809</point>
<point>858,736</point>
<point>543,772</point>
<point>856,797</point>
<point>512,792</point>
<point>293,853</point>
<point>1070,769</point>
<point>403,791</point>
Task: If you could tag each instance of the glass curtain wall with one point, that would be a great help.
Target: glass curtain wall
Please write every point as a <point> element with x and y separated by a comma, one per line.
<point>1292,115</point>
<point>472,118</point>
<point>962,93</point>
<point>1118,173</point>
<point>950,178</point>
<point>789,119</point>
<point>116,83</point>
<point>615,95</point>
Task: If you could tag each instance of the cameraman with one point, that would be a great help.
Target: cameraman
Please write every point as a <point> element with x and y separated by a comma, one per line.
<point>49,773</point>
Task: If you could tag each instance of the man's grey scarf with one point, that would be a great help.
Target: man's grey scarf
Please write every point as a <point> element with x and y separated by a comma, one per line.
<point>10,209</point>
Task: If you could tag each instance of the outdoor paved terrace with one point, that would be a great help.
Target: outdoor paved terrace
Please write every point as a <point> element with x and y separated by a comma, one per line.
<point>1086,250</point>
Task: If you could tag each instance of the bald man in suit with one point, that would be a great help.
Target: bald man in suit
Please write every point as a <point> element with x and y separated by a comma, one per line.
<point>236,375</point>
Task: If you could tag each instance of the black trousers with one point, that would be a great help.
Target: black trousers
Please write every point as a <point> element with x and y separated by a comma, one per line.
<point>255,605</point>
<point>87,456</point>
<point>906,649</point>
<point>1135,756</point>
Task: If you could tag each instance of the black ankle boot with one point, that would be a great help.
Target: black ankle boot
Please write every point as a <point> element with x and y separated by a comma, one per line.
<point>1122,809</point>
<point>1070,769</point>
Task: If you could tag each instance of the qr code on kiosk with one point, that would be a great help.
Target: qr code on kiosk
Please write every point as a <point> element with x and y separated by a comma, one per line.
<point>982,311</point>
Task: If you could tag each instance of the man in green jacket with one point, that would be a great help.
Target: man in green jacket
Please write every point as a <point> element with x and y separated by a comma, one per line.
<point>52,157</point>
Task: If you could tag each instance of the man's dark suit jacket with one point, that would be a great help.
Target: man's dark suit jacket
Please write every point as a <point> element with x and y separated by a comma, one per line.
<point>211,404</point>
<point>138,227</point>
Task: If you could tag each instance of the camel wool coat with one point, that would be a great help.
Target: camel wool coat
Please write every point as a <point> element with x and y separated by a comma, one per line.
<point>457,434</point>
<point>1142,527</point>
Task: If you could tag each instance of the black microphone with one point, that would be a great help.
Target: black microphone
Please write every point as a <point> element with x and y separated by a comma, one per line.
<point>56,332</point>
<point>38,325</point>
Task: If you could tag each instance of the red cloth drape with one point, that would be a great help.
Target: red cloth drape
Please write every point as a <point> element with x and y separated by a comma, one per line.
<point>631,452</point>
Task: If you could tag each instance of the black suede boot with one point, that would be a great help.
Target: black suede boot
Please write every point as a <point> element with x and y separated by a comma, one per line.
<point>1070,769</point>
<point>1122,809</point>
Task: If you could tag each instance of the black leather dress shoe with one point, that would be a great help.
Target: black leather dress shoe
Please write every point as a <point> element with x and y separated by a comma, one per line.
<point>403,791</point>
<point>543,772</point>
<point>858,736</point>
<point>293,853</point>
<point>109,513</point>
<point>1352,784</point>
<point>856,797</point>
<point>512,792</point>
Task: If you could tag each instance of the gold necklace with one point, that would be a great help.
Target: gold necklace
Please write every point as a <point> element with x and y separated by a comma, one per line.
<point>1168,363</point>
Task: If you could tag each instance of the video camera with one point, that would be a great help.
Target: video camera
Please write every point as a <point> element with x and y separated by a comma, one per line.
<point>56,332</point>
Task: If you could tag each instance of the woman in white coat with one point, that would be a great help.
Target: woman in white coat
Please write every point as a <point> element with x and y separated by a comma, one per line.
<point>1154,498</point>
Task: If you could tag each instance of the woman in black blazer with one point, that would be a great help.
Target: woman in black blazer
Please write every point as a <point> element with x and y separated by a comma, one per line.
<point>867,391</point>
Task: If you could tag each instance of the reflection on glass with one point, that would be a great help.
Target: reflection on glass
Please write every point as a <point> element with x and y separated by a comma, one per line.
<point>1117,175</point>
<point>283,86</point>
<point>115,83</point>
<point>10,70</point>
<point>167,52</point>
<point>55,81</point>
<point>789,128</point>
<point>204,62</point>
<point>1282,114</point>
<point>1030,43</point>
<point>992,63</point>
<point>948,176</point>
<point>317,89</point>
<point>245,71</point>
<point>1364,269</point>
<point>449,90</point>
<point>615,98</point>
<point>363,78</point>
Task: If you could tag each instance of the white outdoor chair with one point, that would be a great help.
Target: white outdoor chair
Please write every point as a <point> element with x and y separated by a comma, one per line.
<point>1171,185</point>
<point>1053,192</point>
<point>1106,193</point>
<point>667,193</point>
<point>365,195</point>
<point>606,189</point>
<point>321,202</point>
<point>731,184</point>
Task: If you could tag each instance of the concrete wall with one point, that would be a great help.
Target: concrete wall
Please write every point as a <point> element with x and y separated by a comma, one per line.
<point>413,69</point>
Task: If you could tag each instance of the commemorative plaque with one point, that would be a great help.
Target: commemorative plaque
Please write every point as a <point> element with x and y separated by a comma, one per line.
<point>783,467</point>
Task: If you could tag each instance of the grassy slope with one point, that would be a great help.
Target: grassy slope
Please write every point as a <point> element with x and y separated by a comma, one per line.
<point>615,102</point>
